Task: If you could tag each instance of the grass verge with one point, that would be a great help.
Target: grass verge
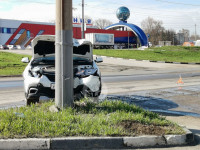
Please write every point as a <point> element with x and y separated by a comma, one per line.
<point>10,64</point>
<point>107,118</point>
<point>166,53</point>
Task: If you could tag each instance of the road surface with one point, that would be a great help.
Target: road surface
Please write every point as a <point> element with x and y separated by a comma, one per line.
<point>153,86</point>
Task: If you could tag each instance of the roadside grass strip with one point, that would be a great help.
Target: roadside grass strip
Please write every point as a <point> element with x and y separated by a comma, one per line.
<point>10,64</point>
<point>107,118</point>
<point>166,53</point>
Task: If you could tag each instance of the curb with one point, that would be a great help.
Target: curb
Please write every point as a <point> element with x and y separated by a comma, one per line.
<point>13,144</point>
<point>99,142</point>
<point>5,76</point>
<point>150,60</point>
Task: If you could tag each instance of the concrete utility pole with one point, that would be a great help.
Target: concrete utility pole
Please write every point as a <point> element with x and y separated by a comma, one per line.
<point>64,51</point>
<point>83,20</point>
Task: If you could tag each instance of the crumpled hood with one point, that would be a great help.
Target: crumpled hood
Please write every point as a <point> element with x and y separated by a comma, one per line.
<point>44,46</point>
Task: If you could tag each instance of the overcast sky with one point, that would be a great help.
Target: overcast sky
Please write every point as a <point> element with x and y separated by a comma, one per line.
<point>175,14</point>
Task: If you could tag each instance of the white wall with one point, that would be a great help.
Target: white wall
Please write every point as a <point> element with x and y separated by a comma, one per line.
<point>4,38</point>
<point>7,23</point>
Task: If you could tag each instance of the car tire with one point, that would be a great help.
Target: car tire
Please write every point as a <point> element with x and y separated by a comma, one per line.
<point>32,101</point>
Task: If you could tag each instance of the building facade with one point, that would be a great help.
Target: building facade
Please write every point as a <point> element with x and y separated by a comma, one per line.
<point>16,32</point>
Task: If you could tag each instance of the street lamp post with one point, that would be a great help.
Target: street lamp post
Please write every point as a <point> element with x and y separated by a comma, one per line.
<point>83,20</point>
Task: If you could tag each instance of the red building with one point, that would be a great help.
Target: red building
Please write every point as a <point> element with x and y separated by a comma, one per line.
<point>14,32</point>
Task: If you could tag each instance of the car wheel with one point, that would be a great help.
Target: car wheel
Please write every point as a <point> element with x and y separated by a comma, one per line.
<point>32,101</point>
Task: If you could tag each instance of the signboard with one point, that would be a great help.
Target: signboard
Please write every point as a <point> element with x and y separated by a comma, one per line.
<point>76,20</point>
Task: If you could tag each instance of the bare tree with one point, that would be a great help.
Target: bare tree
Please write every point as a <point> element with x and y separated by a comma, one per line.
<point>169,35</point>
<point>102,23</point>
<point>154,28</point>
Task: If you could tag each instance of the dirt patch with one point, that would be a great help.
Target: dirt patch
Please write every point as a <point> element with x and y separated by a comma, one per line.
<point>142,129</point>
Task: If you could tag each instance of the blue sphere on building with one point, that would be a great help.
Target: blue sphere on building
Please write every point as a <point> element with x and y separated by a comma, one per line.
<point>123,13</point>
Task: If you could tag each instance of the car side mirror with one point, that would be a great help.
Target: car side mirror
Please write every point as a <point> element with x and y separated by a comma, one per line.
<point>25,60</point>
<point>99,59</point>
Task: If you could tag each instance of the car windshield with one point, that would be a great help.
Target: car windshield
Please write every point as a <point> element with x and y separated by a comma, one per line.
<point>51,61</point>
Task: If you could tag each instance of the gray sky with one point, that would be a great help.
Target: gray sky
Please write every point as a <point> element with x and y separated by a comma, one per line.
<point>175,14</point>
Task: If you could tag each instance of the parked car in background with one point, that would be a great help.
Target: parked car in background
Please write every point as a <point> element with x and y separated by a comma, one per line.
<point>28,47</point>
<point>4,47</point>
<point>12,47</point>
<point>39,75</point>
<point>18,47</point>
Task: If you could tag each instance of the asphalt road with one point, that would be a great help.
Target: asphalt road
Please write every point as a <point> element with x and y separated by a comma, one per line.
<point>18,82</point>
<point>152,86</point>
<point>144,82</point>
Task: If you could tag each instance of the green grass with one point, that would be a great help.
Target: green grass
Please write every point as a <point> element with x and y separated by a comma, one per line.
<point>166,53</point>
<point>101,119</point>
<point>10,64</point>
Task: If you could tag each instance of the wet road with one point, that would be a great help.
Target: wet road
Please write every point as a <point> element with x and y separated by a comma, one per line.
<point>164,101</point>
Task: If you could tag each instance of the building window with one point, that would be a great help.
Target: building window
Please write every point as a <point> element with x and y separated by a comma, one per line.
<point>40,32</point>
<point>4,30</point>
<point>13,30</point>
<point>28,34</point>
<point>21,31</point>
<point>13,41</point>
<point>7,30</point>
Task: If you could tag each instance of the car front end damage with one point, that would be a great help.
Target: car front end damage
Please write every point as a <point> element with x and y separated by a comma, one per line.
<point>41,82</point>
<point>39,75</point>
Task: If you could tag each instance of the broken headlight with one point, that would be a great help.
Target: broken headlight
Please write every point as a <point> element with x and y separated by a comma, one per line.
<point>35,72</point>
<point>86,72</point>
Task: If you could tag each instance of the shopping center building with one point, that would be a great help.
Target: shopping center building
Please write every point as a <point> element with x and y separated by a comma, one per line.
<point>17,32</point>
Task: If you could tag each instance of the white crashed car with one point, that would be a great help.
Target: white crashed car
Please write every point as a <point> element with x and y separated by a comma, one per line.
<point>39,75</point>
